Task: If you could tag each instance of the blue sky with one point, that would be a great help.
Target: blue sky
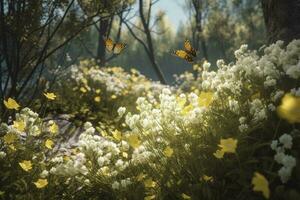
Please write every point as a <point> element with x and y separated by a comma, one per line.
<point>173,9</point>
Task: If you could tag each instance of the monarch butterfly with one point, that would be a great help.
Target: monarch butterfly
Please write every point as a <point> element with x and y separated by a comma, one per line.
<point>115,48</point>
<point>189,53</point>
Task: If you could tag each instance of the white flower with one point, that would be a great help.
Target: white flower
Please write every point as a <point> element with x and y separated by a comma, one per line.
<point>121,111</point>
<point>87,125</point>
<point>274,145</point>
<point>296,92</point>
<point>286,140</point>
<point>234,106</point>
<point>271,107</point>
<point>289,161</point>
<point>44,173</point>
<point>206,66</point>
<point>242,120</point>
<point>279,157</point>
<point>2,154</point>
<point>87,181</point>
<point>243,128</point>
<point>285,174</point>
<point>115,185</point>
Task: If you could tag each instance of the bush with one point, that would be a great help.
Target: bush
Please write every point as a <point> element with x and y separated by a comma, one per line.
<point>232,133</point>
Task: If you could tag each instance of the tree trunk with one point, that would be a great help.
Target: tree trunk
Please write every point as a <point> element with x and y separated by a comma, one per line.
<point>103,30</point>
<point>282,19</point>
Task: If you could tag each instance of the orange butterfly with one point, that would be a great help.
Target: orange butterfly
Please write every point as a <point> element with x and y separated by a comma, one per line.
<point>189,53</point>
<point>115,48</point>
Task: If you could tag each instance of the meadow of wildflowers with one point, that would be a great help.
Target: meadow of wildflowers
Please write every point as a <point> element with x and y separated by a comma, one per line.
<point>230,133</point>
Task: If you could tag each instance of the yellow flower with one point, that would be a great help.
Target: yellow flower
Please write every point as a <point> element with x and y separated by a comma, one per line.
<point>141,176</point>
<point>228,145</point>
<point>181,101</point>
<point>83,90</point>
<point>113,96</point>
<point>105,171</point>
<point>26,165</point>
<point>98,91</point>
<point>186,110</point>
<point>12,147</point>
<point>49,144</point>
<point>205,99</point>
<point>149,197</point>
<point>207,178</point>
<point>168,152</point>
<point>149,183</point>
<point>9,138</point>
<point>50,95</point>
<point>261,184</point>
<point>11,104</point>
<point>185,196</point>
<point>53,128</point>
<point>290,108</point>
<point>41,183</point>
<point>125,155</point>
<point>117,135</point>
<point>219,154</point>
<point>134,141</point>
<point>19,125</point>
<point>97,99</point>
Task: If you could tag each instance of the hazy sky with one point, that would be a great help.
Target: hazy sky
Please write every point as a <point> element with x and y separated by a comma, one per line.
<point>173,9</point>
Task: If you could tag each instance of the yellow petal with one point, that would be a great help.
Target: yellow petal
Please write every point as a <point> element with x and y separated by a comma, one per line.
<point>133,141</point>
<point>219,154</point>
<point>26,165</point>
<point>41,183</point>
<point>19,125</point>
<point>290,108</point>
<point>261,184</point>
<point>49,144</point>
<point>168,152</point>
<point>207,178</point>
<point>53,128</point>
<point>11,104</point>
<point>9,138</point>
<point>97,99</point>
<point>149,197</point>
<point>83,90</point>
<point>205,99</point>
<point>149,183</point>
<point>117,135</point>
<point>141,176</point>
<point>50,95</point>
<point>185,196</point>
<point>187,109</point>
<point>228,145</point>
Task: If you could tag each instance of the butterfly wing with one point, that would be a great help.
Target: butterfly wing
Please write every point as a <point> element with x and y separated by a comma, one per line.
<point>189,49</point>
<point>119,48</point>
<point>109,44</point>
<point>184,55</point>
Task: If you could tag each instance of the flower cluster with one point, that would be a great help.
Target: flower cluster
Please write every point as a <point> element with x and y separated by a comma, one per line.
<point>284,143</point>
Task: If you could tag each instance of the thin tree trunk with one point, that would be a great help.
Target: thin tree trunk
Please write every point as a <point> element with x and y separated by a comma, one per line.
<point>103,30</point>
<point>146,24</point>
<point>282,19</point>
